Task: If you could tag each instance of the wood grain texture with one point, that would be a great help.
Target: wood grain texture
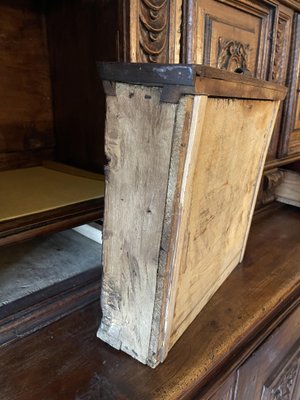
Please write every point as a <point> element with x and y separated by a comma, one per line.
<point>66,360</point>
<point>136,185</point>
<point>26,120</point>
<point>218,199</point>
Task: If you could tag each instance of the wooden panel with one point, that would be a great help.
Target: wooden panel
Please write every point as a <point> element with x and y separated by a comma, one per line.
<point>290,141</point>
<point>133,223</point>
<point>79,34</point>
<point>278,67</point>
<point>25,93</point>
<point>218,200</point>
<point>273,372</point>
<point>229,34</point>
<point>155,30</point>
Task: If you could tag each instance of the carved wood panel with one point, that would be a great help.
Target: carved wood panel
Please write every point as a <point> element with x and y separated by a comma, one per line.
<point>279,64</point>
<point>283,384</point>
<point>228,34</point>
<point>273,371</point>
<point>290,143</point>
<point>155,30</point>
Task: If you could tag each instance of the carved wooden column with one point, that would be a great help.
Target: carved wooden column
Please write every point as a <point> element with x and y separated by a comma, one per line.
<point>155,30</point>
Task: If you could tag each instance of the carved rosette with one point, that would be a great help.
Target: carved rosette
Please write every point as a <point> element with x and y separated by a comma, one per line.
<point>153,27</point>
<point>232,54</point>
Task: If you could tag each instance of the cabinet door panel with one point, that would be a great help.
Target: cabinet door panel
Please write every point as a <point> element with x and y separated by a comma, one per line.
<point>273,371</point>
<point>290,143</point>
<point>228,34</point>
<point>278,66</point>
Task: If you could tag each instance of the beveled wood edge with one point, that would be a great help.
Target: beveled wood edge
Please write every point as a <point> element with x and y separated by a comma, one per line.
<point>178,79</point>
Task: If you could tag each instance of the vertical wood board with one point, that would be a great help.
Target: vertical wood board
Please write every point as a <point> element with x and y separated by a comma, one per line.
<point>138,144</point>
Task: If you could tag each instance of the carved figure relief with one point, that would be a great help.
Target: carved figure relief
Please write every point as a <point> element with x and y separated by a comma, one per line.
<point>232,54</point>
<point>153,22</point>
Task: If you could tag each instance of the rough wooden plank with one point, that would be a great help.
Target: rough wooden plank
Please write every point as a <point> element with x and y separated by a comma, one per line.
<point>138,143</point>
<point>217,200</point>
<point>289,190</point>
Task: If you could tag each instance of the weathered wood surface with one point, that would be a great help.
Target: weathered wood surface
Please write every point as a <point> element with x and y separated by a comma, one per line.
<point>222,177</point>
<point>138,143</point>
<point>181,188</point>
<point>288,191</point>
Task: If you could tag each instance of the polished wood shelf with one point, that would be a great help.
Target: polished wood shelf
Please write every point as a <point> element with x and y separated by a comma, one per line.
<point>65,359</point>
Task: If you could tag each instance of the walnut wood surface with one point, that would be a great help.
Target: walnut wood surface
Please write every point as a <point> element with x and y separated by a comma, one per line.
<point>79,34</point>
<point>290,139</point>
<point>229,34</point>
<point>66,360</point>
<point>26,120</point>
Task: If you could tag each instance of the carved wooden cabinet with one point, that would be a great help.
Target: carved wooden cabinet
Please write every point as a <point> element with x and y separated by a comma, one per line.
<point>272,372</point>
<point>259,36</point>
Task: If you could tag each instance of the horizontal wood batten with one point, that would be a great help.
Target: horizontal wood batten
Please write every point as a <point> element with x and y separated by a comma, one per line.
<point>191,79</point>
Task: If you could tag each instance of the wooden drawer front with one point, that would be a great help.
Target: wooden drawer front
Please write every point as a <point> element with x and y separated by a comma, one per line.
<point>228,35</point>
<point>273,372</point>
